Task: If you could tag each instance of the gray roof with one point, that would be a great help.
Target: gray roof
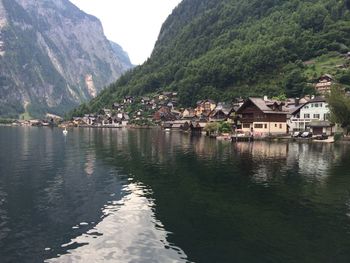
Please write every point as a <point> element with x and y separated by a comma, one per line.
<point>317,99</point>
<point>319,124</point>
<point>261,104</point>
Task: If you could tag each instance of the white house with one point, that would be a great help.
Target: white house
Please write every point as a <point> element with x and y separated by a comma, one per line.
<point>313,116</point>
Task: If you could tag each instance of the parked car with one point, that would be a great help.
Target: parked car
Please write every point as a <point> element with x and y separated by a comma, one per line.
<point>306,134</point>
<point>296,134</point>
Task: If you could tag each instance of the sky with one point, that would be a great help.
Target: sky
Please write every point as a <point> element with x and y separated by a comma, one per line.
<point>133,24</point>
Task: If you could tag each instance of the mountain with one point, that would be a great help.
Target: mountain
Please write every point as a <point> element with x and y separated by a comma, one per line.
<point>53,56</point>
<point>122,55</point>
<point>222,49</point>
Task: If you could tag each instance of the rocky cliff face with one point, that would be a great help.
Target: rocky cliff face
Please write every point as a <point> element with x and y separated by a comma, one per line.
<point>122,56</point>
<point>53,56</point>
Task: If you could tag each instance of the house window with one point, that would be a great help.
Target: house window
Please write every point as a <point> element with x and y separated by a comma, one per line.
<point>258,126</point>
<point>246,125</point>
<point>306,116</point>
<point>321,105</point>
<point>275,125</point>
<point>265,126</point>
<point>316,105</point>
<point>280,126</point>
<point>326,116</point>
<point>306,107</point>
<point>316,116</point>
<point>312,105</point>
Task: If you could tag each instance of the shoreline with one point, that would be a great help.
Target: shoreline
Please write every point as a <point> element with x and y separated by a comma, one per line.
<point>229,138</point>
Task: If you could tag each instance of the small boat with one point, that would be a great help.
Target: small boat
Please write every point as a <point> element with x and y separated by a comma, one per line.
<point>65,132</point>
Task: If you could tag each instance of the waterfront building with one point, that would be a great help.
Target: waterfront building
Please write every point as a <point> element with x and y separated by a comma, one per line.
<point>262,117</point>
<point>313,116</point>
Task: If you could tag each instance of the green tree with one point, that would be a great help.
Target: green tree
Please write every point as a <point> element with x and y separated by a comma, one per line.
<point>225,127</point>
<point>211,127</point>
<point>295,83</point>
<point>339,106</point>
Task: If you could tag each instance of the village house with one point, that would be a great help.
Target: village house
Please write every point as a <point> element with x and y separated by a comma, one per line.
<point>313,115</point>
<point>205,107</point>
<point>263,117</point>
<point>78,121</point>
<point>117,106</point>
<point>222,112</point>
<point>164,114</point>
<point>145,100</point>
<point>188,114</point>
<point>89,119</point>
<point>324,84</point>
<point>129,99</point>
<point>107,112</point>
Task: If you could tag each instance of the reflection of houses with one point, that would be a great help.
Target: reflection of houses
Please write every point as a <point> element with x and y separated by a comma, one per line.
<point>324,84</point>
<point>314,115</point>
<point>263,116</point>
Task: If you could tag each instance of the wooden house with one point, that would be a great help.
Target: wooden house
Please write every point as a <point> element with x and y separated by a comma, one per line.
<point>263,117</point>
<point>324,84</point>
<point>164,114</point>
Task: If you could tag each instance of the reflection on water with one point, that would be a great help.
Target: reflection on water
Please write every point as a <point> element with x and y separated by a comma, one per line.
<point>129,232</point>
<point>118,195</point>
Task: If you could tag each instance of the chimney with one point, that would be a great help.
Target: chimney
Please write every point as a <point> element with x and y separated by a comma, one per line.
<point>265,98</point>
<point>297,101</point>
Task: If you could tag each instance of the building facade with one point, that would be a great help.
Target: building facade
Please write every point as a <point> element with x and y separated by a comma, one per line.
<point>263,117</point>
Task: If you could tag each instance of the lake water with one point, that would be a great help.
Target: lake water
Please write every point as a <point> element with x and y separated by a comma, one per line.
<point>117,195</point>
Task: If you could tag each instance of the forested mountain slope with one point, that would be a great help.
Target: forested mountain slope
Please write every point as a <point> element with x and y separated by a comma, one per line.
<point>227,48</point>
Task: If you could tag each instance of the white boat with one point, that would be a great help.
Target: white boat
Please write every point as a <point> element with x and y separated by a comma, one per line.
<point>65,131</point>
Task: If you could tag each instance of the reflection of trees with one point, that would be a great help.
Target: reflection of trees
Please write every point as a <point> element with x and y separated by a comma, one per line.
<point>47,190</point>
<point>242,202</point>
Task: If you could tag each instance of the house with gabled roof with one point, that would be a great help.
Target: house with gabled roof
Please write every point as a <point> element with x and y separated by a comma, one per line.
<point>263,117</point>
<point>324,84</point>
<point>313,115</point>
<point>222,112</point>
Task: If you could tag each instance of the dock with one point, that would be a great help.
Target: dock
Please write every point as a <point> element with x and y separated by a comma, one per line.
<point>242,138</point>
